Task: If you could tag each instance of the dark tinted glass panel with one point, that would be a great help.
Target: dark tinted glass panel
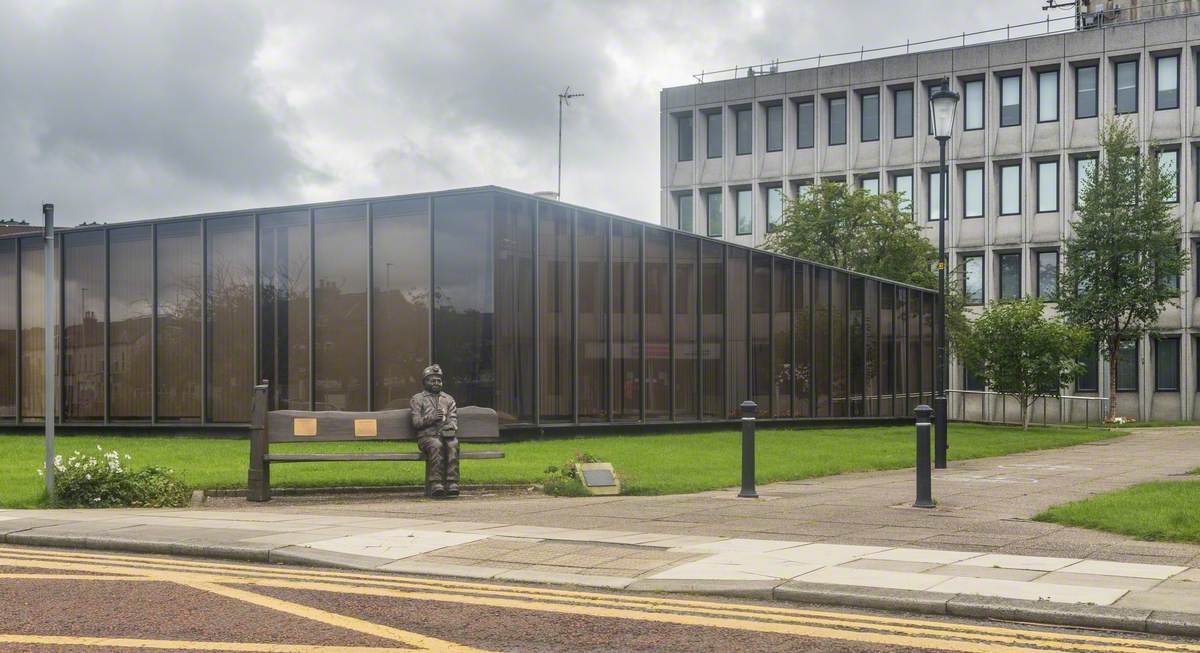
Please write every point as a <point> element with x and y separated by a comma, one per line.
<point>869,117</point>
<point>1166,364</point>
<point>131,312</point>
<point>712,351</point>
<point>230,317</point>
<point>805,125</point>
<point>33,343</point>
<point>745,130</point>
<point>592,269</point>
<point>83,326</point>
<point>1126,87</point>
<point>760,333</point>
<point>515,218</point>
<point>626,319</point>
<point>284,257</point>
<point>1047,275</point>
<point>837,121</point>
<point>180,300</point>
<point>713,134</point>
<point>972,381</point>
<point>1086,103</point>
<point>803,342</point>
<point>915,382</point>
<point>821,341</point>
<point>687,280</point>
<point>857,355</point>
<point>462,309</point>
<point>903,112</point>
<point>927,351</point>
<point>871,346</point>
<point>340,338</point>
<point>555,309</point>
<point>900,347</point>
<point>737,302</point>
<point>774,127</point>
<point>400,305</point>
<point>683,126</point>
<point>1127,366</point>
<point>1089,380</point>
<point>839,362</point>
<point>1010,276</point>
<point>887,349</point>
<point>781,339</point>
<point>658,323</point>
<point>8,328</point>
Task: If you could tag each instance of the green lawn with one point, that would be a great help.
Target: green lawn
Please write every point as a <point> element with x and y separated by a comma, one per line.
<point>1163,510</point>
<point>649,464</point>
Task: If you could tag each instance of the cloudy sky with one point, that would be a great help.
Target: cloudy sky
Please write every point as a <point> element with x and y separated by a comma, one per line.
<point>124,110</point>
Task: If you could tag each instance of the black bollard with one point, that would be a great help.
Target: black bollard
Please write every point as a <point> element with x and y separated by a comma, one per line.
<point>924,473</point>
<point>749,408</point>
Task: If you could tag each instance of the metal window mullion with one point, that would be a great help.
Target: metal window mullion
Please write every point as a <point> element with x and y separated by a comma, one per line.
<point>537,316</point>
<point>574,317</point>
<point>256,306</point>
<point>107,327</point>
<point>642,326</point>
<point>370,307</point>
<point>60,339</point>
<point>204,330</point>
<point>312,310</point>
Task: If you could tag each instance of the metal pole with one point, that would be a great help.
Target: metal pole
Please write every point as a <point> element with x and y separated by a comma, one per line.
<point>941,378</point>
<point>924,474</point>
<point>749,408</point>
<point>558,188</point>
<point>49,400</point>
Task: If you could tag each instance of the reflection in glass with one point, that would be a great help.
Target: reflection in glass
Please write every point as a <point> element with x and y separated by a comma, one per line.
<point>514,218</point>
<point>821,341</point>
<point>760,333</point>
<point>131,312</point>
<point>871,336</point>
<point>462,309</point>
<point>737,380</point>
<point>803,341</point>
<point>8,328</point>
<point>927,351</point>
<point>83,326</point>
<point>33,337</point>
<point>839,344</point>
<point>973,279</point>
<point>179,306</point>
<point>285,286</point>
<point>400,302</point>
<point>857,362</point>
<point>687,269</point>
<point>781,336</point>
<point>914,351</point>
<point>712,329</point>
<point>901,349</point>
<point>887,350</point>
<point>230,317</point>
<point>554,312</point>
<point>340,338</point>
<point>592,270</point>
<point>626,319</point>
<point>658,323</point>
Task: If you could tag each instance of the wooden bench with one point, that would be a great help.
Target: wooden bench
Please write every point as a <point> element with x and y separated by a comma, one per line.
<point>474,424</point>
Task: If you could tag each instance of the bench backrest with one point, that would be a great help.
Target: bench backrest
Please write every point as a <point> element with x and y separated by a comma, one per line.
<point>474,423</point>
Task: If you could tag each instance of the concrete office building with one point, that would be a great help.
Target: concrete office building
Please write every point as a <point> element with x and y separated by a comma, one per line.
<point>1025,133</point>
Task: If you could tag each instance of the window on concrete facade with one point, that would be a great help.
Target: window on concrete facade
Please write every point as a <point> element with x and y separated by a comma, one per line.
<point>902,185</point>
<point>745,212</point>
<point>1047,275</point>
<point>1086,97</point>
<point>684,206</point>
<point>1089,379</point>
<point>1168,165</point>
<point>934,198</point>
<point>972,381</point>
<point>1047,186</point>
<point>1010,100</point>
<point>1166,364</point>
<point>683,131</point>
<point>805,124</point>
<point>1127,366</point>
<point>1010,189</point>
<point>1010,275</point>
<point>1084,168</point>
<point>973,193</point>
<point>1126,90</point>
<point>973,278</point>
<point>870,185</point>
<point>774,127</point>
<point>744,122</point>
<point>902,113</point>
<point>837,121</point>
<point>774,207</point>
<point>712,212</point>
<point>1166,82</point>
<point>972,106</point>
<point>869,116</point>
<point>713,134</point>
<point>1047,95</point>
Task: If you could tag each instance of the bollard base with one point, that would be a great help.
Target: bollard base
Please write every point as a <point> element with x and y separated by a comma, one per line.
<point>744,494</point>
<point>924,504</point>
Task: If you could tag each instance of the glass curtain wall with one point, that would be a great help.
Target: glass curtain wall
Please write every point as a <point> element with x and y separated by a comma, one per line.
<point>803,347</point>
<point>230,317</point>
<point>8,329</point>
<point>400,300</point>
<point>737,378</point>
<point>131,323</point>
<point>178,332</point>
<point>658,324</point>
<point>556,358</point>
<point>84,325</point>
<point>687,276</point>
<point>781,339</point>
<point>760,333</point>
<point>712,330</point>
<point>591,272</point>
<point>462,297</point>
<point>285,282</point>
<point>626,319</point>
<point>514,220</point>
<point>33,336</point>
<point>340,307</point>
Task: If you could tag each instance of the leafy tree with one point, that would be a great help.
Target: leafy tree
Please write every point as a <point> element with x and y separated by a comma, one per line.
<point>1124,255</point>
<point>1019,352</point>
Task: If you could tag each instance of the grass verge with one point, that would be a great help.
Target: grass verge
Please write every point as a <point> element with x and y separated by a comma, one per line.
<point>1158,511</point>
<point>668,463</point>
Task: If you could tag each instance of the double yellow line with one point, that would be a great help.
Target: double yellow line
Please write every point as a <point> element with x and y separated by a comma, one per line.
<point>217,578</point>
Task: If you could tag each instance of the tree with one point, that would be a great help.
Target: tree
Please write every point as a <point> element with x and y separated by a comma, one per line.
<point>853,229</point>
<point>1121,264</point>
<point>1019,352</point>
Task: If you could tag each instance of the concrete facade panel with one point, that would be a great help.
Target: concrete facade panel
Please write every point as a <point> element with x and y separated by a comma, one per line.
<point>1083,43</point>
<point>679,97</point>
<point>1162,32</point>
<point>800,80</point>
<point>935,63</point>
<point>833,76</point>
<point>900,66</point>
<point>1046,48</point>
<point>1006,54</point>
<point>971,57</point>
<point>1125,37</point>
<point>769,85</point>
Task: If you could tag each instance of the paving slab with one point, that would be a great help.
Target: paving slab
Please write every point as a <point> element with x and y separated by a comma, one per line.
<point>1013,589</point>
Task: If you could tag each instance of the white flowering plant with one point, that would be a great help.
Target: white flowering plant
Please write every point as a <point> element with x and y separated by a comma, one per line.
<point>1120,420</point>
<point>105,480</point>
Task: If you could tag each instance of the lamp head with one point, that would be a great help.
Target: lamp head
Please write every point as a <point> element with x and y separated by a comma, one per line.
<point>943,103</point>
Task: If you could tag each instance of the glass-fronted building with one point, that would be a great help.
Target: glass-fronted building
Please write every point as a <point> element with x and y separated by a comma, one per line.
<point>554,315</point>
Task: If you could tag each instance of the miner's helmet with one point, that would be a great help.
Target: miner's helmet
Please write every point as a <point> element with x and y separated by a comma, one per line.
<point>432,370</point>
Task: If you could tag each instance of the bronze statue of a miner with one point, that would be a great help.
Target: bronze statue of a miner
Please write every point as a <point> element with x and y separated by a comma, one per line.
<point>435,418</point>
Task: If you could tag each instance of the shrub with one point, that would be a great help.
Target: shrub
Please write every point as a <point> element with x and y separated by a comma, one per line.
<point>104,481</point>
<point>564,481</point>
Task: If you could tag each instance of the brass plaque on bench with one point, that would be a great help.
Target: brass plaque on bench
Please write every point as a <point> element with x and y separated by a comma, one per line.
<point>304,426</point>
<point>366,428</point>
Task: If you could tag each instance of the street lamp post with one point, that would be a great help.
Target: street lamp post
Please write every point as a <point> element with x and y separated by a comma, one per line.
<point>943,104</point>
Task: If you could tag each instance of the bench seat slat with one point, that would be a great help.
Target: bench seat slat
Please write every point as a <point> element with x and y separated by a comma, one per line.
<point>365,457</point>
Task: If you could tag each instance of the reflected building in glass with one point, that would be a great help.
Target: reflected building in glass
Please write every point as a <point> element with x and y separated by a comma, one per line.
<point>554,315</point>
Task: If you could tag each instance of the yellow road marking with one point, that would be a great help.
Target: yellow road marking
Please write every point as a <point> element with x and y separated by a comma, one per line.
<point>350,623</point>
<point>74,577</point>
<point>637,606</point>
<point>183,645</point>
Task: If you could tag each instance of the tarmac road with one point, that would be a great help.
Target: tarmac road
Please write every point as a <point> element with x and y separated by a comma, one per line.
<point>63,600</point>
